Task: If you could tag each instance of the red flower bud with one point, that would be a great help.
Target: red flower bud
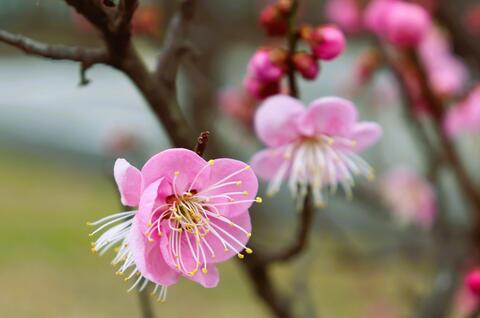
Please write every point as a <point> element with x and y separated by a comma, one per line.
<point>306,65</point>
<point>274,21</point>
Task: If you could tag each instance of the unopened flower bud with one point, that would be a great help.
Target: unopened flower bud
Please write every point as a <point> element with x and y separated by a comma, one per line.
<point>261,89</point>
<point>268,64</point>
<point>273,20</point>
<point>327,42</point>
<point>306,65</point>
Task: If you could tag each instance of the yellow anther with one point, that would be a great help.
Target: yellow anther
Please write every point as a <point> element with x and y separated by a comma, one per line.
<point>211,162</point>
<point>125,279</point>
<point>90,235</point>
<point>177,173</point>
<point>204,270</point>
<point>94,250</point>
<point>245,193</point>
<point>249,250</point>
<point>240,256</point>
<point>231,199</point>
<point>150,240</point>
<point>258,200</point>
<point>89,223</point>
<point>248,168</point>
<point>231,223</point>
<point>226,249</point>
<point>149,224</point>
<point>238,183</point>
<point>93,244</point>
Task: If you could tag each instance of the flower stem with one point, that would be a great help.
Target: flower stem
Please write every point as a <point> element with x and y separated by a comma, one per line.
<point>292,38</point>
<point>145,304</point>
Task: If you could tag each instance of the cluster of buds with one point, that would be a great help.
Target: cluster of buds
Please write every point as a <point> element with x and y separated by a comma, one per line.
<point>269,65</point>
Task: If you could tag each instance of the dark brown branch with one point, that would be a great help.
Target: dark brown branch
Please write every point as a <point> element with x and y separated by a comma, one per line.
<point>54,52</point>
<point>126,10</point>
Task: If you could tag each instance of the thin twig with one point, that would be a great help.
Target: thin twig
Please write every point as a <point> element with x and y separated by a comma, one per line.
<point>54,52</point>
<point>202,141</point>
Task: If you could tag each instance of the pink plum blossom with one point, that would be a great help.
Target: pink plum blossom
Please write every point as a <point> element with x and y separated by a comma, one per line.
<point>465,116</point>
<point>411,198</point>
<point>448,75</point>
<point>346,14</point>
<point>312,147</point>
<point>191,215</point>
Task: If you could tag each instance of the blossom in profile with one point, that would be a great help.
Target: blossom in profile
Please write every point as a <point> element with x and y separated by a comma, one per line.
<point>447,73</point>
<point>191,215</point>
<point>312,147</point>
<point>347,14</point>
<point>401,23</point>
<point>411,198</point>
<point>465,116</point>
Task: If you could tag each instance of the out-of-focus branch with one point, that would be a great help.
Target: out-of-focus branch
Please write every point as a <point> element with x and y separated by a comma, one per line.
<point>126,10</point>
<point>292,46</point>
<point>55,52</point>
<point>176,43</point>
<point>450,241</point>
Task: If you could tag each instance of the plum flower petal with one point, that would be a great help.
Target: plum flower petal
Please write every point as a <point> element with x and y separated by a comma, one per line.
<point>129,181</point>
<point>329,116</point>
<point>365,135</point>
<point>275,120</point>
<point>321,150</point>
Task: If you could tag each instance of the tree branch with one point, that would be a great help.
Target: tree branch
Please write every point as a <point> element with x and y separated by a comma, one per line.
<point>88,56</point>
<point>176,43</point>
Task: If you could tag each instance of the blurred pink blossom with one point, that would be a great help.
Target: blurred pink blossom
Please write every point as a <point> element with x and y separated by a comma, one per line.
<point>465,116</point>
<point>472,281</point>
<point>237,104</point>
<point>411,198</point>
<point>401,23</point>
<point>346,14</point>
<point>313,147</point>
